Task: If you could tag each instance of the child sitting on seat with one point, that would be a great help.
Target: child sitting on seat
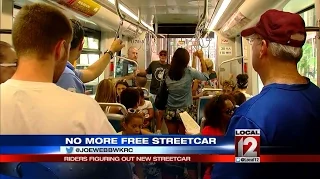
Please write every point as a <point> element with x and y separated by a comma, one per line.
<point>132,125</point>
<point>130,98</point>
<point>146,107</point>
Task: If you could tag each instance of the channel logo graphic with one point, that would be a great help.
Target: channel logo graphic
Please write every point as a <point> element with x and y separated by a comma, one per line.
<point>247,145</point>
<point>69,150</point>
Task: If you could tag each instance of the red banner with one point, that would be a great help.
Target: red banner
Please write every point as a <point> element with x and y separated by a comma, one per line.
<point>150,158</point>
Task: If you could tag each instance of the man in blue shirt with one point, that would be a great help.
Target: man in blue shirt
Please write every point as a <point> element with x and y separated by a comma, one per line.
<point>287,111</point>
<point>73,79</point>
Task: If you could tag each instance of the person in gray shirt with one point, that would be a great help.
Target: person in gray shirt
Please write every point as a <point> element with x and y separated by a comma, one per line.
<point>157,69</point>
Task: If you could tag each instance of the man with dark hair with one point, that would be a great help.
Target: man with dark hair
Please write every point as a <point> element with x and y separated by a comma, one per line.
<point>141,80</point>
<point>286,113</point>
<point>73,79</point>
<point>30,102</point>
<point>157,69</point>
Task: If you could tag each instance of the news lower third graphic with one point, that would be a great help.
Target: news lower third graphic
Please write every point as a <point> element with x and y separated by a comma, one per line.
<point>69,150</point>
<point>247,145</point>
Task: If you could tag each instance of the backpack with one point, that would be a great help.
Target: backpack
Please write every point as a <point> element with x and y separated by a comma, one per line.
<point>162,95</point>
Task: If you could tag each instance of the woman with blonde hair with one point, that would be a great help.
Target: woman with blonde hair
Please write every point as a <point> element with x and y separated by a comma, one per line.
<point>106,93</point>
<point>198,85</point>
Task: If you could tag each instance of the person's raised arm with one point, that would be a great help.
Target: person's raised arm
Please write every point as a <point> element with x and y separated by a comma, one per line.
<point>96,69</point>
<point>203,64</point>
<point>194,58</point>
<point>197,74</point>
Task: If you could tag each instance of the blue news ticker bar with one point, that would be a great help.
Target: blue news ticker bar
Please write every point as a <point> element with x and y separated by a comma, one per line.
<point>117,140</point>
<point>117,150</point>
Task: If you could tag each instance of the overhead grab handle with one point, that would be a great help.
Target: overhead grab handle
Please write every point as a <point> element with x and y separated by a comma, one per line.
<point>118,10</point>
<point>202,21</point>
<point>118,33</point>
<point>122,17</point>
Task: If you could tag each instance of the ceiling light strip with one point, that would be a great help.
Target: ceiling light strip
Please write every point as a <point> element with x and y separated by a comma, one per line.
<point>220,12</point>
<point>131,14</point>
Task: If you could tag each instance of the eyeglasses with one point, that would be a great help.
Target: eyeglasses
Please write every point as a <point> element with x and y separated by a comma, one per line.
<point>162,54</point>
<point>8,64</point>
<point>251,40</point>
<point>131,110</point>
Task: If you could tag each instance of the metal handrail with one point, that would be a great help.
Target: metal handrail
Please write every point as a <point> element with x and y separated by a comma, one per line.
<point>203,18</point>
<point>226,61</point>
<point>130,60</point>
<point>210,89</point>
<point>115,104</point>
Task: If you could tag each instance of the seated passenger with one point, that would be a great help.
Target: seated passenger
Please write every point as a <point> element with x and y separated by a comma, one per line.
<point>106,93</point>
<point>120,86</point>
<point>8,61</point>
<point>146,107</point>
<point>242,84</point>
<point>217,113</point>
<point>72,79</point>
<point>30,102</point>
<point>132,125</point>
<point>228,87</point>
<point>130,98</point>
<point>239,97</point>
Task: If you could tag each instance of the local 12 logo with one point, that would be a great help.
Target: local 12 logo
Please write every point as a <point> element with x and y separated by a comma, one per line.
<point>247,142</point>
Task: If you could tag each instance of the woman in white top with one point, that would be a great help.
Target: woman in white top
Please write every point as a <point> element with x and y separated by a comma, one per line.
<point>242,84</point>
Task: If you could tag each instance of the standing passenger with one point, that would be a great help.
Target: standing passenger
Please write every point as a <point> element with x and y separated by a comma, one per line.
<point>30,102</point>
<point>8,61</point>
<point>242,84</point>
<point>287,110</point>
<point>157,69</point>
<point>72,79</point>
<point>179,80</point>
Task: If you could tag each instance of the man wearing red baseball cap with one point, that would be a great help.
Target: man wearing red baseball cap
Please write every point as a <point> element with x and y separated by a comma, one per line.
<point>287,110</point>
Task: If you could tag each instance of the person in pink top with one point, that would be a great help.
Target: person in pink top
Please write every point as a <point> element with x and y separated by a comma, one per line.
<point>217,115</point>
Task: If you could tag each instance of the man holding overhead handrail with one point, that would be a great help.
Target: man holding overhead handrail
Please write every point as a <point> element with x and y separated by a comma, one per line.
<point>286,113</point>
<point>73,79</point>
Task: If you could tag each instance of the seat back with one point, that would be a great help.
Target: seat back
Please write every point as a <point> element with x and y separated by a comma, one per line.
<point>201,105</point>
<point>211,91</point>
<point>116,119</point>
<point>146,92</point>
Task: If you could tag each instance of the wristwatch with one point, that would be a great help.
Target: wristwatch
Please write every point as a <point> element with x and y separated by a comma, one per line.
<point>110,53</point>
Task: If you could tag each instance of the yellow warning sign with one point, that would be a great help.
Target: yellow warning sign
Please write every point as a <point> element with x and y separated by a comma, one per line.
<point>86,7</point>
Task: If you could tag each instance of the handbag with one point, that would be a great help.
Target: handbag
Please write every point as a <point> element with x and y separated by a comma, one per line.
<point>162,95</point>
